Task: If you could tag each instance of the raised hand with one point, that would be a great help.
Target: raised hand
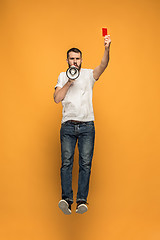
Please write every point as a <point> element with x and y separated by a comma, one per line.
<point>107,41</point>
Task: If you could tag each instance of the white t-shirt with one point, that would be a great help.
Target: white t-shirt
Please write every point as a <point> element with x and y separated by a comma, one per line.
<point>77,104</point>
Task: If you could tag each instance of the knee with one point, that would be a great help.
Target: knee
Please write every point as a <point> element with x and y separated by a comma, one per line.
<point>66,164</point>
<point>85,164</point>
<point>67,160</point>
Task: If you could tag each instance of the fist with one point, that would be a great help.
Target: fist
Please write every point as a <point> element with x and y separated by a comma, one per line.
<point>107,41</point>
<point>71,81</point>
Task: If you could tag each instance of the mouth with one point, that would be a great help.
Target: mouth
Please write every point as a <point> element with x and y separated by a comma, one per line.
<point>74,65</point>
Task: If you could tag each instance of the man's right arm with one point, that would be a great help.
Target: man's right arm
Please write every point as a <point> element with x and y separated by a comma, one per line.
<point>60,93</point>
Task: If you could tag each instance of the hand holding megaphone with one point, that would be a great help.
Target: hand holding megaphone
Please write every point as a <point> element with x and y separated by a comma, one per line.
<point>72,73</point>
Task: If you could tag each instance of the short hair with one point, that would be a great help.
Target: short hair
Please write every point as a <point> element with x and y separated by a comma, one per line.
<point>76,50</point>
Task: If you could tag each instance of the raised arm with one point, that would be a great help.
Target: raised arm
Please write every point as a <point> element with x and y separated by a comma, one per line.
<point>100,69</point>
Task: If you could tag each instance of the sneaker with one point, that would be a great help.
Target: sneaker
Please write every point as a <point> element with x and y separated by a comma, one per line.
<point>65,207</point>
<point>81,207</point>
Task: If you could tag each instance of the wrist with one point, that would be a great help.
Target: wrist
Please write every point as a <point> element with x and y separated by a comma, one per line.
<point>69,83</point>
<point>107,48</point>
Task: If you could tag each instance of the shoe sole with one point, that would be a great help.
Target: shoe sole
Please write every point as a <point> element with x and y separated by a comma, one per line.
<point>82,208</point>
<point>63,205</point>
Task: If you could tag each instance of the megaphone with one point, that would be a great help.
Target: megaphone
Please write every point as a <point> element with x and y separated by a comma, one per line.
<point>72,73</point>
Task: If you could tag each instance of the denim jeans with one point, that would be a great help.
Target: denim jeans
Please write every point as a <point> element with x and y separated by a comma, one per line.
<point>70,133</point>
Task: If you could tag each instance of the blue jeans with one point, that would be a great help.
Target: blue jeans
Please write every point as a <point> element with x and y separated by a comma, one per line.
<point>70,133</point>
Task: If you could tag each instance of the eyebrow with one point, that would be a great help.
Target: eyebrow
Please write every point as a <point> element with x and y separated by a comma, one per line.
<point>74,58</point>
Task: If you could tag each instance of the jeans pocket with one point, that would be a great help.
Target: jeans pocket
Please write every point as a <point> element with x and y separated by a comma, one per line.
<point>65,124</point>
<point>90,123</point>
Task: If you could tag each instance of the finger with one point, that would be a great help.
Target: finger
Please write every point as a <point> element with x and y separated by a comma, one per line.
<point>107,36</point>
<point>107,41</point>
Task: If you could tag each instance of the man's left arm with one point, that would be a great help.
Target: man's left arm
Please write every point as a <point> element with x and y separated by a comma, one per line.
<point>104,63</point>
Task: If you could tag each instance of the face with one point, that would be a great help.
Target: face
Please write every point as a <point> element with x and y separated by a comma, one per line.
<point>74,60</point>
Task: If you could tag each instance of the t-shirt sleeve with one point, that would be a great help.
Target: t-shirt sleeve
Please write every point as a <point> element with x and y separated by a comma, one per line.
<point>91,76</point>
<point>59,82</point>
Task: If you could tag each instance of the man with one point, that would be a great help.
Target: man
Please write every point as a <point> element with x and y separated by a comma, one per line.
<point>77,125</point>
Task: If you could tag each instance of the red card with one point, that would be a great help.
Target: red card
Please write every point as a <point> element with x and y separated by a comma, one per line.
<point>104,32</point>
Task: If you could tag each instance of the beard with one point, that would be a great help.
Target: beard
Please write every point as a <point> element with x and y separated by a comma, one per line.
<point>78,67</point>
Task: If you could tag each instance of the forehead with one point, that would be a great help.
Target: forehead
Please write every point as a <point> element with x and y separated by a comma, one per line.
<point>74,55</point>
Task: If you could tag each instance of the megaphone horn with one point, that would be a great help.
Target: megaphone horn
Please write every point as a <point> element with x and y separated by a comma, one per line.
<point>72,73</point>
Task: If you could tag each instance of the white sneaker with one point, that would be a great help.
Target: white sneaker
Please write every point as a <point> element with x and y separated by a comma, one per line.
<point>81,208</point>
<point>65,207</point>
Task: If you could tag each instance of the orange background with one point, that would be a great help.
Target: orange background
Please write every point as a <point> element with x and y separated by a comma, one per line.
<point>124,197</point>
